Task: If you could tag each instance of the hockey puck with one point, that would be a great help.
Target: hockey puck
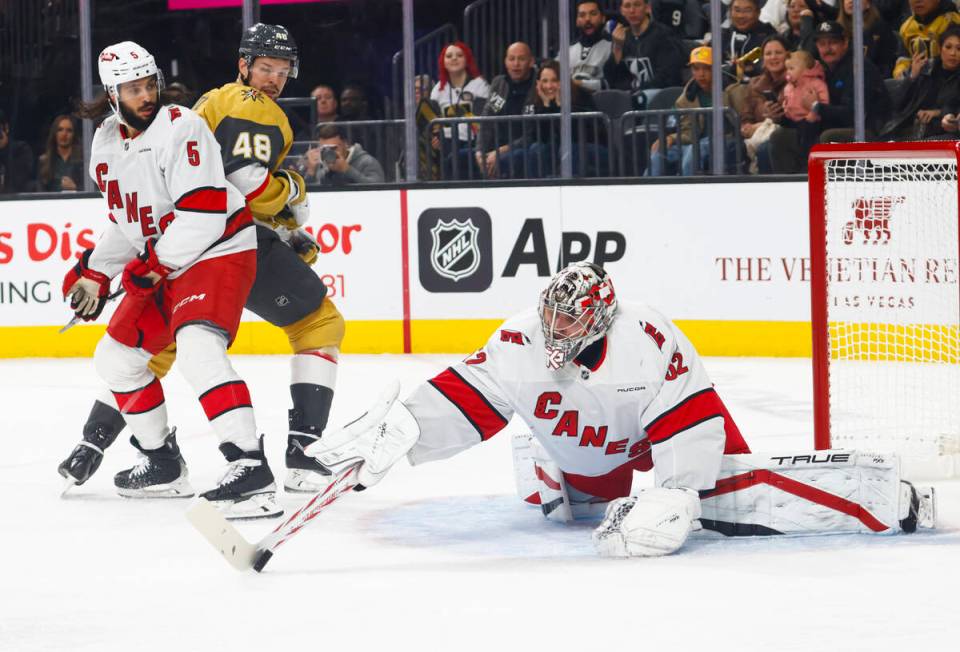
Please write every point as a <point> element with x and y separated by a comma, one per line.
<point>262,560</point>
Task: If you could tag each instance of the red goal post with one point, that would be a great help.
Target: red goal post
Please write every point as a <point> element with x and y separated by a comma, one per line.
<point>885,301</point>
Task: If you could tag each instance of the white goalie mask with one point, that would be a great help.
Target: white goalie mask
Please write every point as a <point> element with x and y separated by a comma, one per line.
<point>125,62</point>
<point>576,309</point>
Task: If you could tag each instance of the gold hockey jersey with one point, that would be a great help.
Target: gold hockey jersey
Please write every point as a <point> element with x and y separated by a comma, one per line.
<point>254,136</point>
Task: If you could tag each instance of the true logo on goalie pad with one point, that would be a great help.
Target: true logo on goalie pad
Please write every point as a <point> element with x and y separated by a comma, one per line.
<point>826,458</point>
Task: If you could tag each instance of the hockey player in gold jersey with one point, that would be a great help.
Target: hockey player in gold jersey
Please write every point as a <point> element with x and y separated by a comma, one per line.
<point>255,136</point>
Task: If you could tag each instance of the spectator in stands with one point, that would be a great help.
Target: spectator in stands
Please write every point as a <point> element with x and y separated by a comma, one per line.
<point>684,17</point>
<point>353,103</point>
<point>878,37</point>
<point>919,34</point>
<point>693,129</point>
<point>461,92</point>
<point>16,161</point>
<point>334,162</point>
<point>325,99</point>
<point>645,53</point>
<point>60,167</point>
<point>746,33</point>
<point>776,12</point>
<point>836,118</point>
<point>933,94</point>
<point>509,94</point>
<point>179,93</point>
<point>763,108</point>
<point>537,155</point>
<point>797,29</point>
<point>422,84</point>
<point>591,51</point>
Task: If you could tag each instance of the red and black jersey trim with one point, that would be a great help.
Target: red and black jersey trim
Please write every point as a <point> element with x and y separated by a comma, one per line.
<point>796,488</point>
<point>225,397</point>
<point>140,400</point>
<point>241,219</point>
<point>471,402</point>
<point>206,199</point>
<point>695,409</point>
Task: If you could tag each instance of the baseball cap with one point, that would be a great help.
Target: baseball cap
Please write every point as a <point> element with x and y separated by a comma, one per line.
<point>829,29</point>
<point>702,55</point>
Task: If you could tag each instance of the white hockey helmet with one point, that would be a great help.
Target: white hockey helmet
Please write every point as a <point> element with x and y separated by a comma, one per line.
<point>124,62</point>
<point>576,309</point>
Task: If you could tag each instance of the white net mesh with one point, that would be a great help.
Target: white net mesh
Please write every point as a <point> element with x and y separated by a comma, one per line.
<point>893,307</point>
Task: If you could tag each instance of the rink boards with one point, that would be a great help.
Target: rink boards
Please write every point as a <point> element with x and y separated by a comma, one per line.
<point>434,271</point>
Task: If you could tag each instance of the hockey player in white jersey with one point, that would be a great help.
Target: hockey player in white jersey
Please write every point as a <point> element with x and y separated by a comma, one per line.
<point>623,390</point>
<point>183,240</point>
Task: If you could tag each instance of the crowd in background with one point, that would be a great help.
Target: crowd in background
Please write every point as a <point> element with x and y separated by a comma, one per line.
<point>787,85</point>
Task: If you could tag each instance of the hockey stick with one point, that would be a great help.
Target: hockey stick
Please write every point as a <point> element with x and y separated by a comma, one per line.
<point>76,320</point>
<point>243,555</point>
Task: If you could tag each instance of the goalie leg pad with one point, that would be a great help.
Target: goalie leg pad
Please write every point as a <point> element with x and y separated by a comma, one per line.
<point>806,493</point>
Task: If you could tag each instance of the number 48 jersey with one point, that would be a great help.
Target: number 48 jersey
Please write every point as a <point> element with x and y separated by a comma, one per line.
<point>645,394</point>
<point>166,183</point>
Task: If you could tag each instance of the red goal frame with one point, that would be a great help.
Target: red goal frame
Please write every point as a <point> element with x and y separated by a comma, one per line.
<point>816,168</point>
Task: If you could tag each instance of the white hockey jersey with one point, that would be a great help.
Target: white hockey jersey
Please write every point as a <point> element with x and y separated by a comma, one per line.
<point>646,396</point>
<point>166,183</point>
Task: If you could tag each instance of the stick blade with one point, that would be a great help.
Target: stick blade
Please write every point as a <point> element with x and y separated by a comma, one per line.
<point>222,535</point>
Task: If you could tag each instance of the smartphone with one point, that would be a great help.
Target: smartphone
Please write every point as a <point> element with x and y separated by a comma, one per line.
<point>769,95</point>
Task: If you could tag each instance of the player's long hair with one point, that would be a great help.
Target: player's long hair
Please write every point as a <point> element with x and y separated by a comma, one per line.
<point>472,70</point>
<point>99,108</point>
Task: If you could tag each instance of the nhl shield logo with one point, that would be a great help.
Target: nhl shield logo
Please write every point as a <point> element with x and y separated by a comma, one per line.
<point>454,252</point>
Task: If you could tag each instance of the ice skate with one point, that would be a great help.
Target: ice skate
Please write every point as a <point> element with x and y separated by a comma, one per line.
<point>101,430</point>
<point>918,507</point>
<point>304,473</point>
<point>160,473</point>
<point>247,489</point>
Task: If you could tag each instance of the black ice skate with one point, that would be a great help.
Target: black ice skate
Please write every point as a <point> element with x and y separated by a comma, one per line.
<point>247,489</point>
<point>102,427</point>
<point>304,473</point>
<point>160,473</point>
<point>918,507</point>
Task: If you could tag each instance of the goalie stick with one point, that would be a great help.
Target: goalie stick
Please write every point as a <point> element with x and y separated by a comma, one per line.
<point>242,554</point>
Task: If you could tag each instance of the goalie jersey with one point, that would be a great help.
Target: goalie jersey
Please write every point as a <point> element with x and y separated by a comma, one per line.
<point>644,398</point>
<point>255,136</point>
<point>166,183</point>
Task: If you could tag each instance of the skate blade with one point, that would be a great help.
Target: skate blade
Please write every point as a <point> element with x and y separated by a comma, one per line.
<point>302,481</point>
<point>256,507</point>
<point>210,523</point>
<point>172,490</point>
<point>68,484</point>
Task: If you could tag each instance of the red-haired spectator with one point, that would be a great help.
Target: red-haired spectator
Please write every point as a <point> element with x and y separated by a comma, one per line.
<point>60,167</point>
<point>461,90</point>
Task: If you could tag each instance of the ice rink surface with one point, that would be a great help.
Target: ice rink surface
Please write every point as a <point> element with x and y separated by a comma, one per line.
<point>440,557</point>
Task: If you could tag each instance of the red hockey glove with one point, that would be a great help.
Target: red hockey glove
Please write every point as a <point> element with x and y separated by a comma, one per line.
<point>136,275</point>
<point>86,288</point>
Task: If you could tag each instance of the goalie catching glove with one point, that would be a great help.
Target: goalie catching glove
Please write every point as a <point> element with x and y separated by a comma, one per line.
<point>654,523</point>
<point>377,440</point>
<point>296,212</point>
<point>88,289</point>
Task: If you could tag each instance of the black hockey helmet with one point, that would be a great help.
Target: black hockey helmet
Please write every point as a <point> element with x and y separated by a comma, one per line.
<point>262,40</point>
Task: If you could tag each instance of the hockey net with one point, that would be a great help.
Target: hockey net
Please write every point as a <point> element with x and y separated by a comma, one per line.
<point>886,302</point>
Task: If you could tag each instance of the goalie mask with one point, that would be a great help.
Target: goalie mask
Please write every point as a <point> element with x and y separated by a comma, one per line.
<point>275,41</point>
<point>576,310</point>
<point>125,62</point>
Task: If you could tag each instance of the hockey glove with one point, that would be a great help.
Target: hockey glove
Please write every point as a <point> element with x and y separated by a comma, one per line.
<point>296,212</point>
<point>87,289</point>
<point>377,443</point>
<point>655,523</point>
<point>137,275</point>
<point>305,245</point>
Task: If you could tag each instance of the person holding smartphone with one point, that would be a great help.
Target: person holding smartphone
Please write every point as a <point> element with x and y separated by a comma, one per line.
<point>921,32</point>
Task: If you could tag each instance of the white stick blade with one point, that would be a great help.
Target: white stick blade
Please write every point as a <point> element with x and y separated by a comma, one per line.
<point>223,536</point>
